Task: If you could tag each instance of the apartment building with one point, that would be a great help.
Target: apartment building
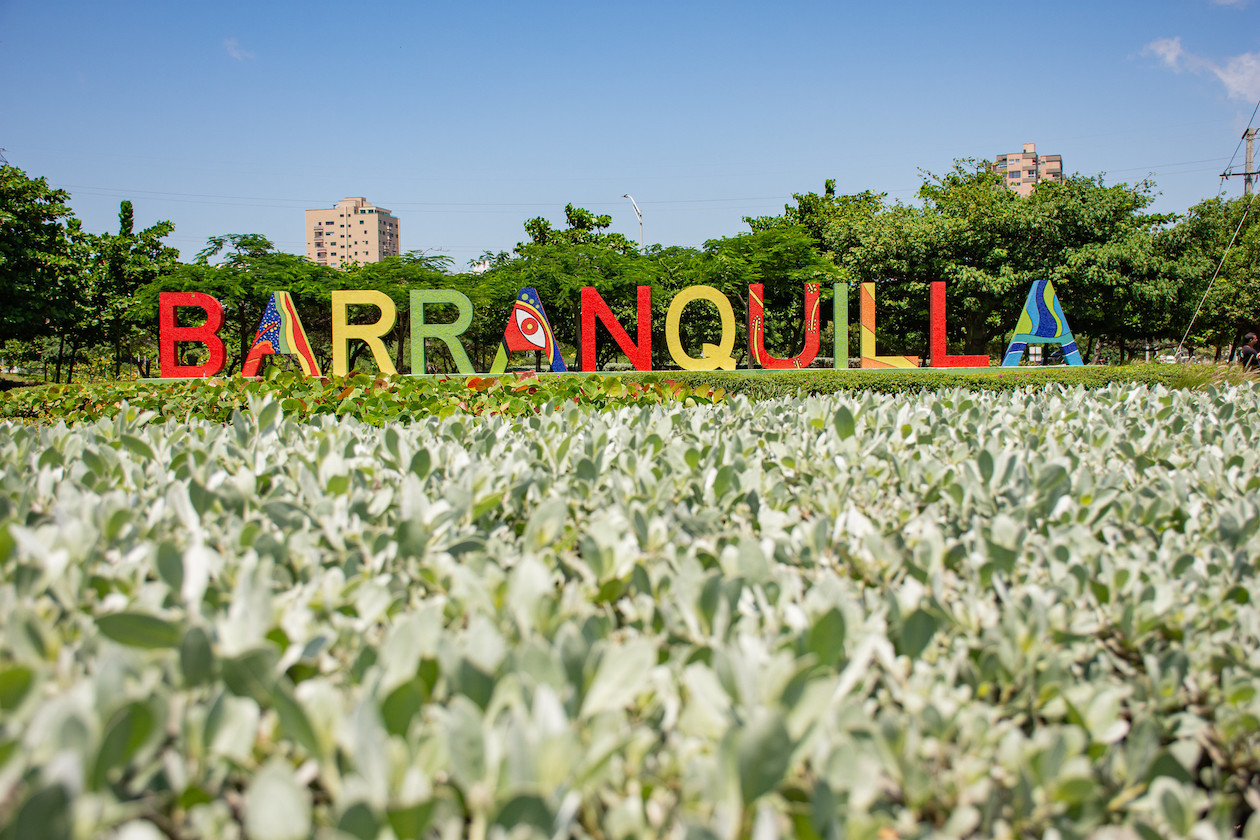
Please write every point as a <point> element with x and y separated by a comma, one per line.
<point>1024,170</point>
<point>353,231</point>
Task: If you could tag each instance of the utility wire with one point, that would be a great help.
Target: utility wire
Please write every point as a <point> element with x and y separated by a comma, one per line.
<point>1241,138</point>
<point>1232,239</point>
<point>1216,273</point>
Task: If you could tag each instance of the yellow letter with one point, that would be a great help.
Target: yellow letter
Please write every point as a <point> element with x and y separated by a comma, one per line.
<point>342,332</point>
<point>712,357</point>
<point>867,338</point>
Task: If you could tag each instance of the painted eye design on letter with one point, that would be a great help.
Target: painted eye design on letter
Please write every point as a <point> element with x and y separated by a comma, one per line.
<point>531,329</point>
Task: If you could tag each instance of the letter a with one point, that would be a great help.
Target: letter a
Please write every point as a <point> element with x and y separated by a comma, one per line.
<point>280,331</point>
<point>1042,322</point>
<point>528,329</point>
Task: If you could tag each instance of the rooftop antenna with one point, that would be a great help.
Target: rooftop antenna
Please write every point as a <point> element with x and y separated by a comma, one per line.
<point>3,162</point>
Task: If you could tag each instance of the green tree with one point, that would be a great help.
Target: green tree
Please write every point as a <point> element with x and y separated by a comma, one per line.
<point>584,228</point>
<point>37,267</point>
<point>989,244</point>
<point>121,265</point>
<point>558,263</point>
<point>396,277</point>
<point>782,258</point>
<point>248,271</point>
<point>1216,233</point>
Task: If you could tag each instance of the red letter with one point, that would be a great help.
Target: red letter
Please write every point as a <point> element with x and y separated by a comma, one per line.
<point>207,334</point>
<point>593,307</point>
<point>940,357</point>
<point>757,330</point>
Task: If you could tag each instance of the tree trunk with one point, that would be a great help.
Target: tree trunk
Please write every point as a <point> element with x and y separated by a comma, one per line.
<point>61,346</point>
<point>247,337</point>
<point>398,352</point>
<point>74,350</point>
<point>975,341</point>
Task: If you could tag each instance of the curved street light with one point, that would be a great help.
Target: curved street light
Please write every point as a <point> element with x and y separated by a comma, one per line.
<point>638,213</point>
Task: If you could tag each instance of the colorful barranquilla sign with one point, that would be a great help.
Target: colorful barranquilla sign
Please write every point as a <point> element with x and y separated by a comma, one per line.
<point>280,332</point>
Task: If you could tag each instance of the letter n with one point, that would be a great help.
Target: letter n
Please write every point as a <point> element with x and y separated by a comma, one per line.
<point>593,306</point>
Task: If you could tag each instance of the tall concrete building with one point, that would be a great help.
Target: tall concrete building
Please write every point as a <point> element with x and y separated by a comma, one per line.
<point>353,231</point>
<point>1025,170</point>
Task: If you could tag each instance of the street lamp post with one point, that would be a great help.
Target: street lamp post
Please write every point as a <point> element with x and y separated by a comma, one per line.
<point>638,213</point>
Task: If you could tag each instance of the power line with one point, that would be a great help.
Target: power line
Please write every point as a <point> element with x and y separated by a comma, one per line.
<point>1230,165</point>
<point>1215,274</point>
<point>448,206</point>
<point>1232,239</point>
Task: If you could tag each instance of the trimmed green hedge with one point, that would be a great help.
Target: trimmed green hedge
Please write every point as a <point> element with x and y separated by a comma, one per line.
<point>373,399</point>
<point>771,384</point>
<point>377,400</point>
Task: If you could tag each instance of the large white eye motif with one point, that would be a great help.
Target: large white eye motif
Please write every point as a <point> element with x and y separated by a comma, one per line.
<point>531,329</point>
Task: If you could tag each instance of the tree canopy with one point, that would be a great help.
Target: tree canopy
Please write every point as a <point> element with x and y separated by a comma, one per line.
<point>1125,277</point>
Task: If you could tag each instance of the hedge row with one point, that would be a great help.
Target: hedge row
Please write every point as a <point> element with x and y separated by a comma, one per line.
<point>377,400</point>
<point>773,384</point>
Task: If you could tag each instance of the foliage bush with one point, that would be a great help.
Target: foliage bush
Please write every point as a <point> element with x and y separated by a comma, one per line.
<point>373,399</point>
<point>377,400</point>
<point>771,384</point>
<point>967,614</point>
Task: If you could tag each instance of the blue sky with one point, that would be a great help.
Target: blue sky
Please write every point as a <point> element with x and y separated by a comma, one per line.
<point>466,119</point>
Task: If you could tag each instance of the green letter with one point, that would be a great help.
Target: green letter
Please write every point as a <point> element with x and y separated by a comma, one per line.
<point>448,334</point>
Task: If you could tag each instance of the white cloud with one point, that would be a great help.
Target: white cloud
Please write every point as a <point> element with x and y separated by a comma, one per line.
<point>1238,3</point>
<point>1240,74</point>
<point>1167,49</point>
<point>235,50</point>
